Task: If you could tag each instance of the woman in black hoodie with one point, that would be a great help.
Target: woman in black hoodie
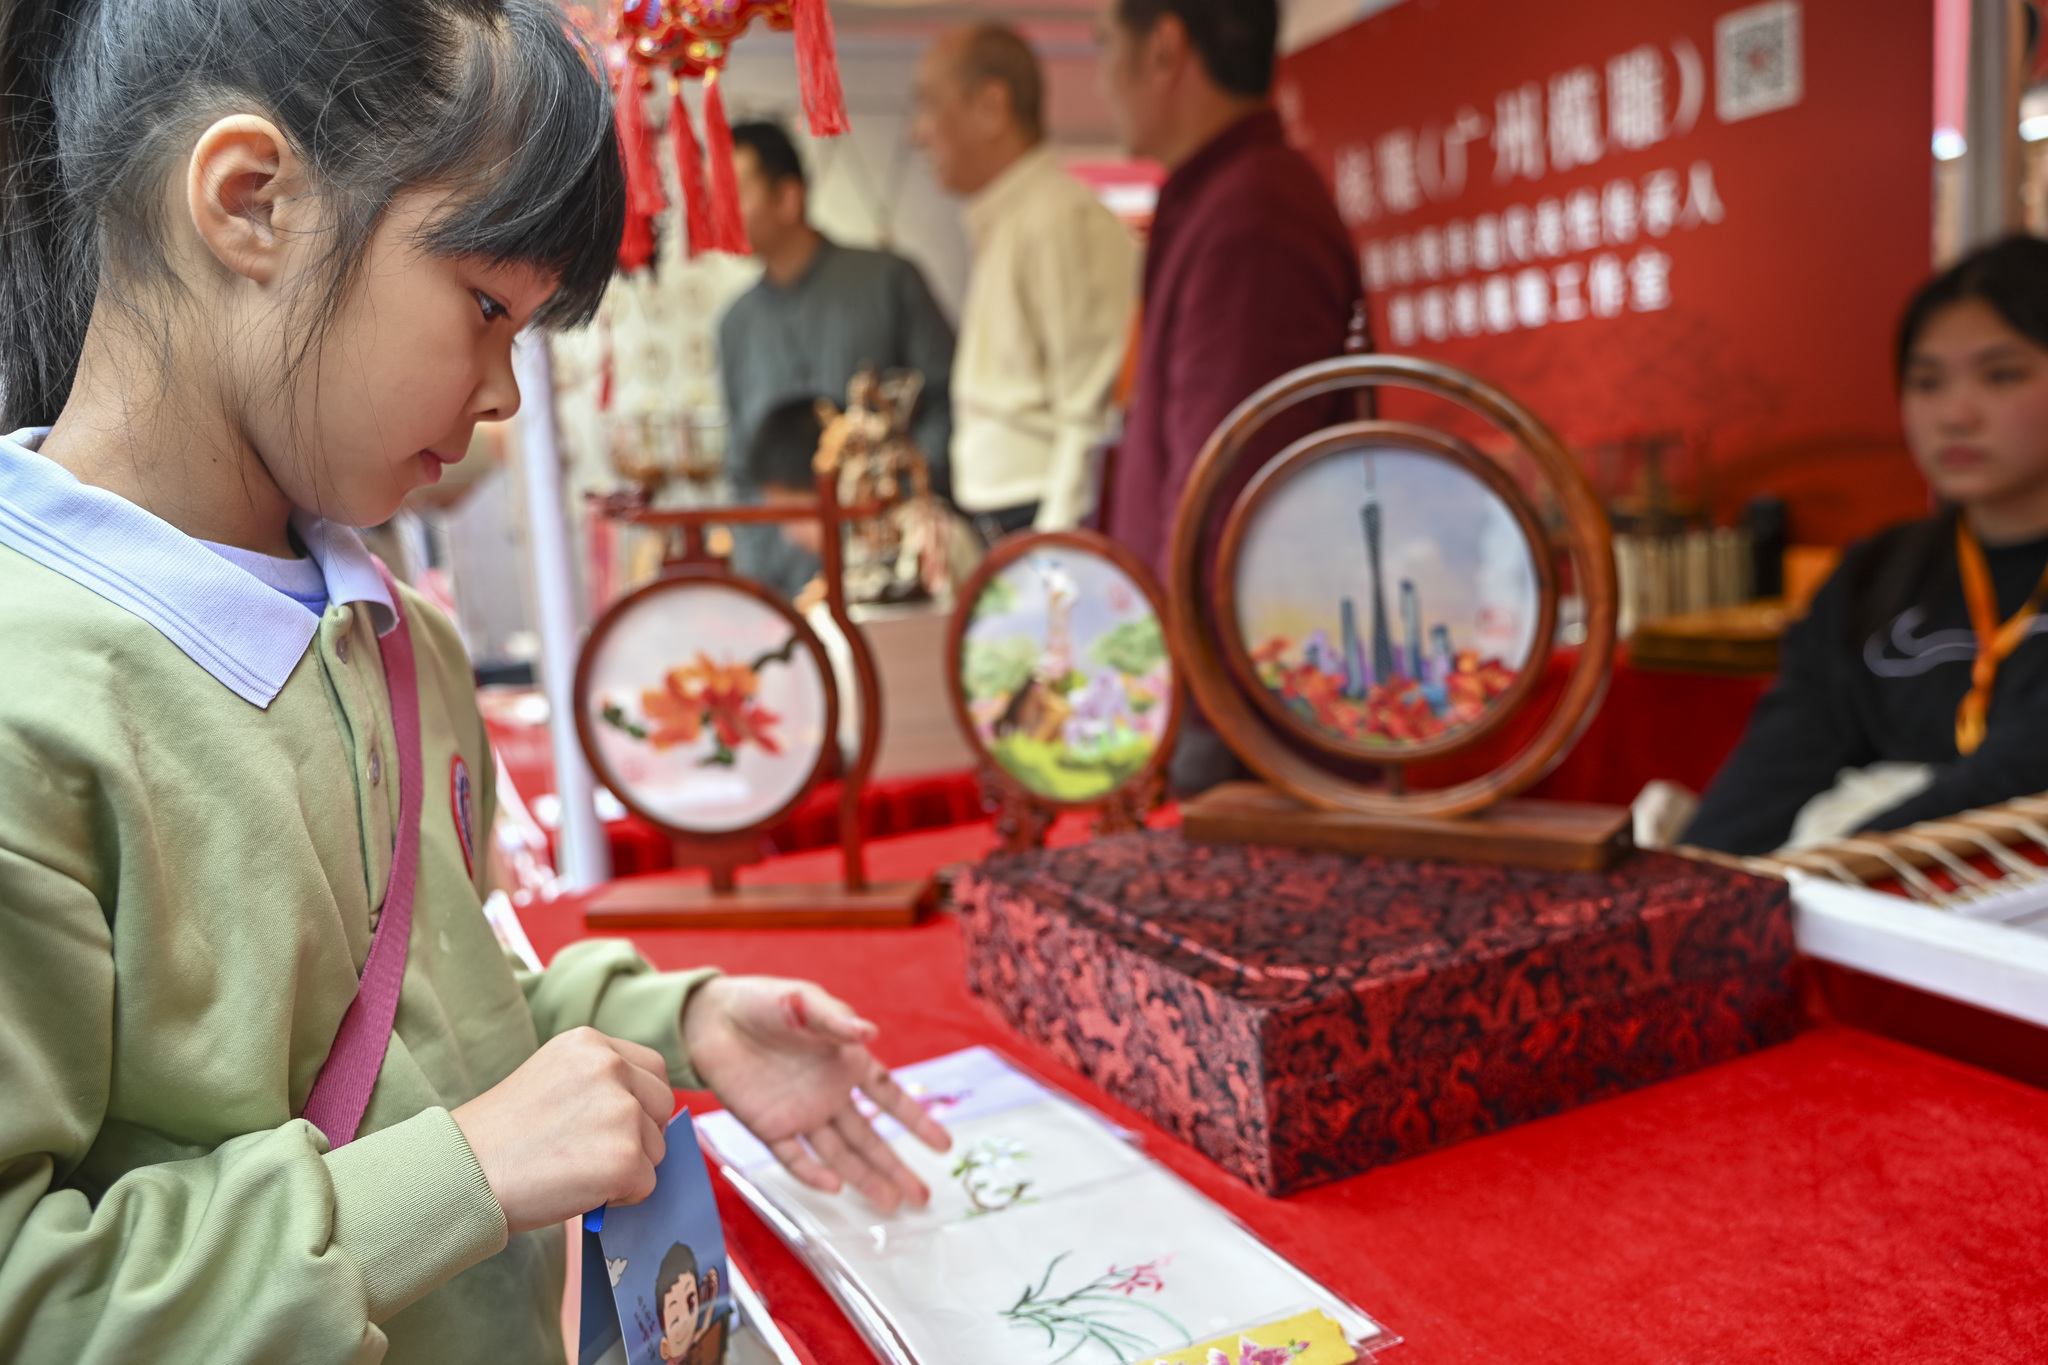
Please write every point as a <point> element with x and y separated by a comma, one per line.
<point>1925,646</point>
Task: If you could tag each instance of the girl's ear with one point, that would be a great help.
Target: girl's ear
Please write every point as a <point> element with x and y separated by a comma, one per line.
<point>242,190</point>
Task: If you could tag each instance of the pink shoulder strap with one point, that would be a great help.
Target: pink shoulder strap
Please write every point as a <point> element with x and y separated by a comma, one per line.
<point>341,1092</point>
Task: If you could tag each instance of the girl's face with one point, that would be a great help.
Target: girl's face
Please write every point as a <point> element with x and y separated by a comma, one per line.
<point>1974,404</point>
<point>420,352</point>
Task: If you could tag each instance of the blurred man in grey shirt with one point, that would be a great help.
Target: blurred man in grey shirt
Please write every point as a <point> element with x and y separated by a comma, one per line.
<point>820,314</point>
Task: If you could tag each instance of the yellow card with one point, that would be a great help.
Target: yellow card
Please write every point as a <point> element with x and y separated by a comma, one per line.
<point>1311,1338</point>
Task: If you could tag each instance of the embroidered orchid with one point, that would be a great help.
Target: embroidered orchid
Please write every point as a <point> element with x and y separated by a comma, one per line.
<point>1145,1276</point>
<point>1092,1312</point>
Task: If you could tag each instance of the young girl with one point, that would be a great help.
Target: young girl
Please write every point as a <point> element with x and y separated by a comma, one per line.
<point>1923,648</point>
<point>260,270</point>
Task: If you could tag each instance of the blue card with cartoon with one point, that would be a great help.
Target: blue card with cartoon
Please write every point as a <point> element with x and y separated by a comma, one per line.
<point>656,1290</point>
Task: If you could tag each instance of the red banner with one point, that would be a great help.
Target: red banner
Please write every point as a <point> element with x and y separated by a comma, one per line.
<point>1691,220</point>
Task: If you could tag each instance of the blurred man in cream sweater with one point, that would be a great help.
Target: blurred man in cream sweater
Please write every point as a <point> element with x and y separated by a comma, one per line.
<point>1049,298</point>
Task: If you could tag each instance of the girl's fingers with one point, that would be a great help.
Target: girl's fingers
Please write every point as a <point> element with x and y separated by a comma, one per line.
<point>652,1091</point>
<point>644,1058</point>
<point>653,1140</point>
<point>867,1144</point>
<point>893,1100</point>
<point>806,1006</point>
<point>832,1149</point>
<point>653,1146</point>
<point>799,1162</point>
<point>850,1028</point>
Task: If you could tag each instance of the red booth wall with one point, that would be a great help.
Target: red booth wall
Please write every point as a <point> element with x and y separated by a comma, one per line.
<point>1694,220</point>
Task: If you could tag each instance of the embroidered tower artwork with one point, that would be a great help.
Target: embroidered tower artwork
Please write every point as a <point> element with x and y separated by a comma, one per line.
<point>1357,681</point>
<point>1433,621</point>
<point>1382,646</point>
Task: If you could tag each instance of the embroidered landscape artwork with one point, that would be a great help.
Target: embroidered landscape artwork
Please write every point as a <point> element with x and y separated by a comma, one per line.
<point>1066,674</point>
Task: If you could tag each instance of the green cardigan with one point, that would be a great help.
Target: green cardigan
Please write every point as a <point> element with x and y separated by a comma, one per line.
<point>187,891</point>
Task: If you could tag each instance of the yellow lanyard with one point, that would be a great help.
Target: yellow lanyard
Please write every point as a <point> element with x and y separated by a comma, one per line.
<point>1994,641</point>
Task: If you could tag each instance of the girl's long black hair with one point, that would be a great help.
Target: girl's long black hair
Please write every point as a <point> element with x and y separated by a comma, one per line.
<point>498,101</point>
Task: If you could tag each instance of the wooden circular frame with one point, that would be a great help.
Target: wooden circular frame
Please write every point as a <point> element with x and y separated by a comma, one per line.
<point>1008,551</point>
<point>1331,442</point>
<point>691,579</point>
<point>1194,622</point>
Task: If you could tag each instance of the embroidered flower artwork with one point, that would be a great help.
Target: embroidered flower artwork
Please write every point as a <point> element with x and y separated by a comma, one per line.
<point>1401,709</point>
<point>707,697</point>
<point>984,1172</point>
<point>1100,1311</point>
<point>705,709</point>
<point>1249,1352</point>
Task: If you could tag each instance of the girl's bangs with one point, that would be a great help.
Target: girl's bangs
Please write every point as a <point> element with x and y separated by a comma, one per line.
<point>531,127</point>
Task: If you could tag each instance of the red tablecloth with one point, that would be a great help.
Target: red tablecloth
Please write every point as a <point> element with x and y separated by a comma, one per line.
<point>1841,1198</point>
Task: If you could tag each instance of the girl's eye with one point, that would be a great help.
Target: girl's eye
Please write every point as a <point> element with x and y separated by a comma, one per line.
<point>492,309</point>
<point>2007,374</point>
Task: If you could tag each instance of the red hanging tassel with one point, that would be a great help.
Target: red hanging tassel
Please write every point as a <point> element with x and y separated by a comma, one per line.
<point>690,175</point>
<point>636,247</point>
<point>728,233</point>
<point>818,68</point>
<point>644,198</point>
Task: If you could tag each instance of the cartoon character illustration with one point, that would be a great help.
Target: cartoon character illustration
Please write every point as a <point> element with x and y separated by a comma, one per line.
<point>692,1329</point>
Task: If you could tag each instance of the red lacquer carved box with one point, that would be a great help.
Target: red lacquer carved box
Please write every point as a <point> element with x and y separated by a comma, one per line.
<point>1303,1016</point>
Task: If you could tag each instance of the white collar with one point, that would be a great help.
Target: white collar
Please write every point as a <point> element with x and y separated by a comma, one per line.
<point>242,631</point>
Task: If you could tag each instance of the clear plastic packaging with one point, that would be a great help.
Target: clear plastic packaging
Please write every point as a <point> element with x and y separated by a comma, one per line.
<point>1050,1237</point>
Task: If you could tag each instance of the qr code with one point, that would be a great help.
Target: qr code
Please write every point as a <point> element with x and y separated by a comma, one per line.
<point>1757,60</point>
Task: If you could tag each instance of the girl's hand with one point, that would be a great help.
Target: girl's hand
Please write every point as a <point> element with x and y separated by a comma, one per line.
<point>785,1057</point>
<point>579,1124</point>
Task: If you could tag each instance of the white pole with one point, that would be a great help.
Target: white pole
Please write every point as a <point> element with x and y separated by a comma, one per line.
<point>585,856</point>
<point>1991,163</point>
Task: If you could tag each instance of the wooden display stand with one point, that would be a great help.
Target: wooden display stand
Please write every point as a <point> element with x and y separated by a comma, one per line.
<point>1313,796</point>
<point>666,901</point>
<point>1558,836</point>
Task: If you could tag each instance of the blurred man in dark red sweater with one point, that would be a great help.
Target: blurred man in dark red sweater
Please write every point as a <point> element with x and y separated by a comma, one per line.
<point>1248,273</point>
